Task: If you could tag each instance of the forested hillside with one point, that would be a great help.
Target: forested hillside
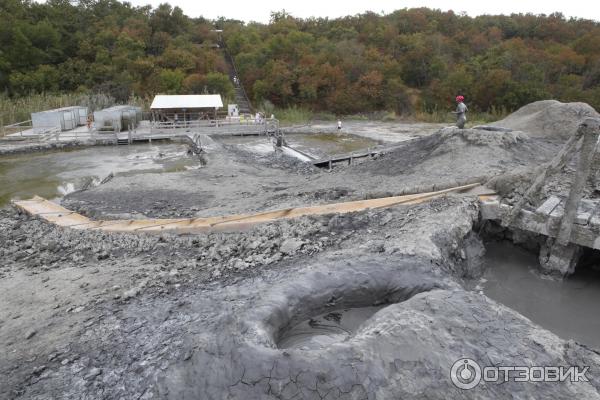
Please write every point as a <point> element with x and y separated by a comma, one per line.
<point>107,46</point>
<point>409,60</point>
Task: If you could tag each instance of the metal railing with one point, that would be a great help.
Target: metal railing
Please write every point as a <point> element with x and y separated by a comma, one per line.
<point>48,135</point>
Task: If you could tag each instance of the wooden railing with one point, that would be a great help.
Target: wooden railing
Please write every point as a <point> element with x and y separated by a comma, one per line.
<point>265,126</point>
<point>18,127</point>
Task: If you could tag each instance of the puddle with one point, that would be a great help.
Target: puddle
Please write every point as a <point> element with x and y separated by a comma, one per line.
<point>329,144</point>
<point>56,174</point>
<point>567,308</point>
<point>323,330</point>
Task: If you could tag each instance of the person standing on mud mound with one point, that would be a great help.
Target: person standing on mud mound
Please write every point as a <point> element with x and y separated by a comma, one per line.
<point>461,112</point>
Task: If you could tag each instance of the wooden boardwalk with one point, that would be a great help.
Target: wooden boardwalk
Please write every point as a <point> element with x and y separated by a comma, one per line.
<point>344,158</point>
<point>58,215</point>
<point>546,219</point>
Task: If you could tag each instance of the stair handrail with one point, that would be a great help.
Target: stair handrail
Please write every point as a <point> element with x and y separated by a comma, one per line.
<point>235,71</point>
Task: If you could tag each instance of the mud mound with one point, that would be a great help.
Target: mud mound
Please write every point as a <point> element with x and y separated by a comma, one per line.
<point>453,151</point>
<point>548,118</point>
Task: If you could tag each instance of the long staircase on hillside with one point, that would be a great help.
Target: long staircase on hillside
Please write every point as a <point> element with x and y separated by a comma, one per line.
<point>241,98</point>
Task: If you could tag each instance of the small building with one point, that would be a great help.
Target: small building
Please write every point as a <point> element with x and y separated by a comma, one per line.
<point>117,118</point>
<point>183,108</point>
<point>63,119</point>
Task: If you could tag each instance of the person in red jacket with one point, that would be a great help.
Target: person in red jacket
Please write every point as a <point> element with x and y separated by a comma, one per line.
<point>461,112</point>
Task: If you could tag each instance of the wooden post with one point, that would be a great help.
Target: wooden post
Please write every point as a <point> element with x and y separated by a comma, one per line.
<point>590,129</point>
<point>556,163</point>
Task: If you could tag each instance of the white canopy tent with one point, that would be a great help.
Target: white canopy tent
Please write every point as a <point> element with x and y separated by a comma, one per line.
<point>183,108</point>
<point>189,102</point>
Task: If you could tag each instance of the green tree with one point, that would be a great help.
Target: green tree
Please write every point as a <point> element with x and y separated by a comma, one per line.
<point>170,81</point>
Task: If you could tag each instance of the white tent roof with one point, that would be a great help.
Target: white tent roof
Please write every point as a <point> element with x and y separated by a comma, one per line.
<point>187,101</point>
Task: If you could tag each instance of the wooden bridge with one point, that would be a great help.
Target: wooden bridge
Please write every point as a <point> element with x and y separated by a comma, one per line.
<point>546,219</point>
<point>344,158</point>
<point>568,223</point>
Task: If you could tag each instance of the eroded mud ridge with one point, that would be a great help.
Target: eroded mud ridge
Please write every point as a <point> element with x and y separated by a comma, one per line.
<point>377,304</point>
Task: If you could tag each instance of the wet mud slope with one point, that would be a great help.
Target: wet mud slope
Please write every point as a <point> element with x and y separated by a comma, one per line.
<point>235,181</point>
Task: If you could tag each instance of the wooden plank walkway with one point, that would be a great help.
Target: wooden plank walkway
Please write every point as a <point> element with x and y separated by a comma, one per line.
<point>60,216</point>
<point>346,158</point>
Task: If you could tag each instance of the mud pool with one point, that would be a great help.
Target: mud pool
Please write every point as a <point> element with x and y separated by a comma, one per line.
<point>55,174</point>
<point>315,145</point>
<point>567,308</point>
<point>323,330</point>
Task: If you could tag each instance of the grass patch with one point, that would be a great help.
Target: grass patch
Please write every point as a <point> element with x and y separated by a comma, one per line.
<point>473,117</point>
<point>389,117</point>
<point>324,116</point>
<point>17,110</point>
<point>293,115</point>
<point>13,110</point>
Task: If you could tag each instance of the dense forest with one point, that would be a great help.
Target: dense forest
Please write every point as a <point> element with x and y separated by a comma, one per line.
<point>409,60</point>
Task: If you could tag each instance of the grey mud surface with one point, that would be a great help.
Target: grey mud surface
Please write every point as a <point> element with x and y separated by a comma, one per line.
<point>118,316</point>
<point>8,147</point>
<point>391,132</point>
<point>237,181</point>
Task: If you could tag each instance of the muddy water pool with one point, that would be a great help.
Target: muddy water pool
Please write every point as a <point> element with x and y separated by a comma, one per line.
<point>315,145</point>
<point>323,330</point>
<point>54,174</point>
<point>568,308</point>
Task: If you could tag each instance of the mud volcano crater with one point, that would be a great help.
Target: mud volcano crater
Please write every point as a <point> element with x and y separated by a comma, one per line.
<point>322,309</point>
<point>316,323</point>
<point>323,330</point>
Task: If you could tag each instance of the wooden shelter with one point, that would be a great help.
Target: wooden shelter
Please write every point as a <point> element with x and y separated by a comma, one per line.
<point>184,108</point>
